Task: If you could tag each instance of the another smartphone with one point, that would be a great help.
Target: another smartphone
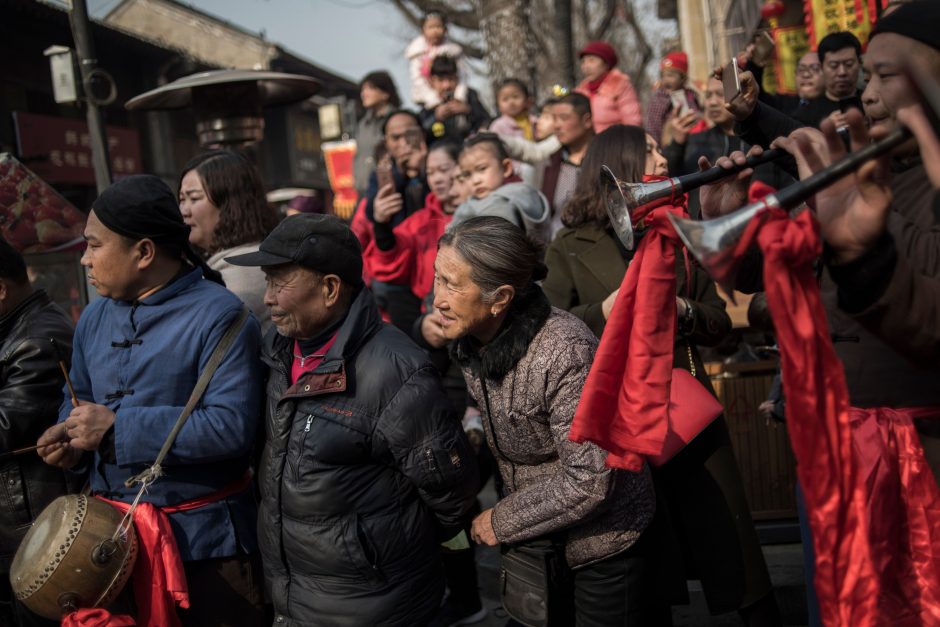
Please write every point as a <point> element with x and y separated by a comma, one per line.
<point>383,171</point>
<point>731,81</point>
<point>680,103</point>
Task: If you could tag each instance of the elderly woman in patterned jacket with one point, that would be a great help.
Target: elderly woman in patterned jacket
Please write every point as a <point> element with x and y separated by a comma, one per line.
<point>562,511</point>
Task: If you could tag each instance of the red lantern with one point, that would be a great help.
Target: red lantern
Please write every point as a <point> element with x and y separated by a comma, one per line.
<point>772,9</point>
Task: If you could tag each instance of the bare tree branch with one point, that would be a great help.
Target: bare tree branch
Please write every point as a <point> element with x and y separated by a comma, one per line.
<point>467,18</point>
<point>610,10</point>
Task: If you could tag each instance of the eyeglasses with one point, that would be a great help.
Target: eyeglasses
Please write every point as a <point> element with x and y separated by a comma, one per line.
<point>809,69</point>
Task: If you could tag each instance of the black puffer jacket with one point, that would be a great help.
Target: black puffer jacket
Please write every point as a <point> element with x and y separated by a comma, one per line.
<point>365,470</point>
<point>30,395</point>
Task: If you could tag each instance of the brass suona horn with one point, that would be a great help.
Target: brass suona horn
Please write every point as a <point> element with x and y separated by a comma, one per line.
<point>711,241</point>
<point>625,200</point>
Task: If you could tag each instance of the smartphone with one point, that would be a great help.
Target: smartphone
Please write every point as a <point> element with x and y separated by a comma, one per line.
<point>730,80</point>
<point>680,103</point>
<point>383,171</point>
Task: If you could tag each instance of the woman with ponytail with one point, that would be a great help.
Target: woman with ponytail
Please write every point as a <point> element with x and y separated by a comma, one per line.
<point>222,200</point>
<point>663,312</point>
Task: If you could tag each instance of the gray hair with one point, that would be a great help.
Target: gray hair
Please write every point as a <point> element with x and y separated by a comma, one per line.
<point>499,253</point>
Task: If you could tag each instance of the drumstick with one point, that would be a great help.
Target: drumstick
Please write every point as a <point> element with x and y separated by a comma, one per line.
<point>65,372</point>
<point>19,451</point>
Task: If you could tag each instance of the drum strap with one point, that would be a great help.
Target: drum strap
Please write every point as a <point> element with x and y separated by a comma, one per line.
<point>221,350</point>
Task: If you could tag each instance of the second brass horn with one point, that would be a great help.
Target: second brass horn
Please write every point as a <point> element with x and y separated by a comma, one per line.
<point>711,241</point>
<point>625,200</point>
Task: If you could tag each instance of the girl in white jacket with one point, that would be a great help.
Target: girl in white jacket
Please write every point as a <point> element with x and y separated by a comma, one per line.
<point>420,53</point>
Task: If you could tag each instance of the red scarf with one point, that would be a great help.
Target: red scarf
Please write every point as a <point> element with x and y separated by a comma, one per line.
<point>594,86</point>
<point>872,501</point>
<point>625,403</point>
<point>159,578</point>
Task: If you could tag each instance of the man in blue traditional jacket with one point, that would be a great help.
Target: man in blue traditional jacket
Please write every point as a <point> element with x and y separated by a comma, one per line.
<point>138,352</point>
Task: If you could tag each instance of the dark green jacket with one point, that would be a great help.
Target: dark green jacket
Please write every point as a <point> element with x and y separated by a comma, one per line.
<point>585,266</point>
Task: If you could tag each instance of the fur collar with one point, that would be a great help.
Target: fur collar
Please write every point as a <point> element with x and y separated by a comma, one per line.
<point>496,359</point>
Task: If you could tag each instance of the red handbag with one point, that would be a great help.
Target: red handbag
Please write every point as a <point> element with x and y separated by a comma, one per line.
<point>691,409</point>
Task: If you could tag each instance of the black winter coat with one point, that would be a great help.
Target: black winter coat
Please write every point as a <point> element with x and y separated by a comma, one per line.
<point>30,395</point>
<point>365,471</point>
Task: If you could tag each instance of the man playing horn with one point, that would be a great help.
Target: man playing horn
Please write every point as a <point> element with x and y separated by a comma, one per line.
<point>871,230</point>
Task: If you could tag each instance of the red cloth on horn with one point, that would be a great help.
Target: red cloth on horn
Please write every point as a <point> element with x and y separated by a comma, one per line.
<point>159,578</point>
<point>96,617</point>
<point>625,402</point>
<point>871,499</point>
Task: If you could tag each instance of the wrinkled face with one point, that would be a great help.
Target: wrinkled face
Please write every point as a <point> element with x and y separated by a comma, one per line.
<point>372,97</point>
<point>296,298</point>
<point>593,67</point>
<point>809,78</point>
<point>486,170</point>
<point>458,301</point>
<point>198,211</point>
<point>444,85</point>
<point>656,164</point>
<point>840,73</point>
<point>715,102</point>
<point>672,79</point>
<point>888,89</point>
<point>511,101</point>
<point>111,261</point>
<point>569,127</point>
<point>434,30</point>
<point>403,138</point>
<point>440,172</point>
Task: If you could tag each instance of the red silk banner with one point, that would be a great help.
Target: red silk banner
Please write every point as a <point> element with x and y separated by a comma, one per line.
<point>872,502</point>
<point>339,158</point>
<point>624,407</point>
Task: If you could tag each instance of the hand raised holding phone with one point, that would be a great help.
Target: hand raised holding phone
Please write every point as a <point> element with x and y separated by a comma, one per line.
<point>740,90</point>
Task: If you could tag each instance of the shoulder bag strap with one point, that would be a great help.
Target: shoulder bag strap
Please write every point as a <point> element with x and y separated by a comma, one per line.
<point>221,350</point>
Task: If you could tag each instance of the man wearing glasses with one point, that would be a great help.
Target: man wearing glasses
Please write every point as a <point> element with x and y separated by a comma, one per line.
<point>840,64</point>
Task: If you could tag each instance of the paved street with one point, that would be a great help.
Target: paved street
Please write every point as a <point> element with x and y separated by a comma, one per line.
<point>784,561</point>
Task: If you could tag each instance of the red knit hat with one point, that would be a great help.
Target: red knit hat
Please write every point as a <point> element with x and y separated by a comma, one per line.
<point>600,49</point>
<point>675,61</point>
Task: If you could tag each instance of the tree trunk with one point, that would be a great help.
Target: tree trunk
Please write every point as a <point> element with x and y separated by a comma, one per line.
<point>508,41</point>
<point>565,39</point>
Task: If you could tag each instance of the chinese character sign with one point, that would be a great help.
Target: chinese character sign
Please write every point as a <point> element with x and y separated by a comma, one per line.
<point>830,16</point>
<point>791,43</point>
<point>59,149</point>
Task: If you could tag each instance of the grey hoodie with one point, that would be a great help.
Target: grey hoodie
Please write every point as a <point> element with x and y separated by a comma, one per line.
<point>521,204</point>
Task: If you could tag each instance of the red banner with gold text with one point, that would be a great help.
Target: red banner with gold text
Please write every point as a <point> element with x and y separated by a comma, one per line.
<point>339,167</point>
<point>830,16</point>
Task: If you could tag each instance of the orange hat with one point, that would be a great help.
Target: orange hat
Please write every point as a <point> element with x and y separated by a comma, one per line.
<point>676,61</point>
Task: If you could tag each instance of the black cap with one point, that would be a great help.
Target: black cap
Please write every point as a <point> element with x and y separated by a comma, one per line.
<point>915,20</point>
<point>314,241</point>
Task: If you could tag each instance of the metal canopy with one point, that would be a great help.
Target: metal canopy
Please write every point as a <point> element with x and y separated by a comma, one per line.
<point>274,88</point>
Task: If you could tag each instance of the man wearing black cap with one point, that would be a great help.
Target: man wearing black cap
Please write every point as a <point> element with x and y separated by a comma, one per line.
<point>138,352</point>
<point>365,468</point>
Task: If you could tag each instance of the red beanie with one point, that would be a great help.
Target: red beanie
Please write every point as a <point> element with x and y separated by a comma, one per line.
<point>600,49</point>
<point>676,61</point>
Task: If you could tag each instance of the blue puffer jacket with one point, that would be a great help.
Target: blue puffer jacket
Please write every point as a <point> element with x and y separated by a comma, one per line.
<point>142,360</point>
<point>365,470</point>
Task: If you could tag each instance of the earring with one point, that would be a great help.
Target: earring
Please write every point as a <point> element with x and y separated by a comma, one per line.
<point>494,313</point>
